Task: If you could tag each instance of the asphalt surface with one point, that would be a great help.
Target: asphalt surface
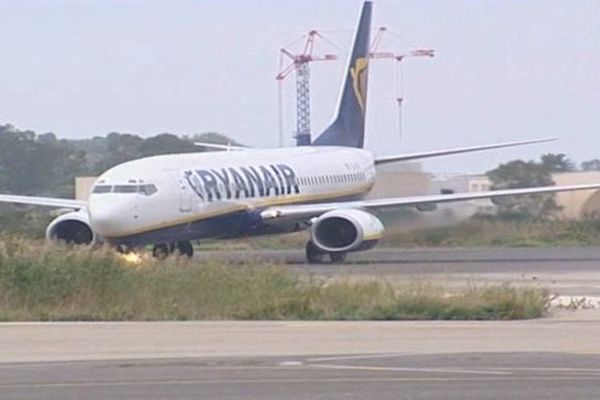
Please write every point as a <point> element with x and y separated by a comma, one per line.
<point>439,260</point>
<point>573,271</point>
<point>388,376</point>
<point>552,358</point>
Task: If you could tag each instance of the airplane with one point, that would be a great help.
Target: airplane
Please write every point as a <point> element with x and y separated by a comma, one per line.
<point>168,201</point>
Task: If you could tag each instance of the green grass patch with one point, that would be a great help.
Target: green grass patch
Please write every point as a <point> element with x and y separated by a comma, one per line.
<point>47,282</point>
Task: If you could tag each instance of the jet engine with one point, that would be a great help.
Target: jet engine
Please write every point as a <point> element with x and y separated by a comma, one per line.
<point>346,230</point>
<point>72,228</point>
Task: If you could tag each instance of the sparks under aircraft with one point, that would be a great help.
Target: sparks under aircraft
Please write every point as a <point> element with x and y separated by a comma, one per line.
<point>170,200</point>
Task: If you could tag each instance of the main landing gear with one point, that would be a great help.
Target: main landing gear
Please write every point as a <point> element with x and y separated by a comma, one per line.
<point>315,256</point>
<point>162,250</point>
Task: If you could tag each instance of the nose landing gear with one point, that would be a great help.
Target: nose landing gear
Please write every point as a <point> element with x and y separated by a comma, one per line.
<point>162,250</point>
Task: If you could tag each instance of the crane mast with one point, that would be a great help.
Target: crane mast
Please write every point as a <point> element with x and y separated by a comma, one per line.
<point>300,64</point>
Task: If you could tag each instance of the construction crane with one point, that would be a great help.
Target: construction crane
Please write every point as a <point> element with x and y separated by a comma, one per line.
<point>375,54</point>
<point>300,64</point>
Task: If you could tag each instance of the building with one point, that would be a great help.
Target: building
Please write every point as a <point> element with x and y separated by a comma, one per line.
<point>400,179</point>
<point>83,187</point>
<point>575,205</point>
<point>582,203</point>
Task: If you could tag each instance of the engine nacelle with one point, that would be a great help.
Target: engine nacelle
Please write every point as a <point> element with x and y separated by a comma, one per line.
<point>346,230</point>
<point>72,228</point>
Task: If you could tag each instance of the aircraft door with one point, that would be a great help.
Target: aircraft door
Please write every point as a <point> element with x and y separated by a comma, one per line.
<point>185,196</point>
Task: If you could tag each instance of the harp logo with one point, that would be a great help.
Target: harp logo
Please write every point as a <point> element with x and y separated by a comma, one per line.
<point>359,80</point>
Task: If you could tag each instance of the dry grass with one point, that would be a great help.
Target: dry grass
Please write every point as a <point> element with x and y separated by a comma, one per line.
<point>44,282</point>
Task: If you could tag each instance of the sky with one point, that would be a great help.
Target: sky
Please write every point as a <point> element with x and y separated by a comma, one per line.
<point>502,71</point>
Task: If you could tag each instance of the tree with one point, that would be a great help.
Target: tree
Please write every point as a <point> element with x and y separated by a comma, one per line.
<point>120,147</point>
<point>557,162</point>
<point>521,174</point>
<point>167,143</point>
<point>591,165</point>
<point>37,165</point>
<point>117,148</point>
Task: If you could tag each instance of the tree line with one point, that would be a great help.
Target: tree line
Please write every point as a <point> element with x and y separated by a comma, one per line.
<point>44,165</point>
<point>32,164</point>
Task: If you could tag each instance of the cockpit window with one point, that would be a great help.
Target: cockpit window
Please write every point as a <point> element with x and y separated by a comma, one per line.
<point>102,189</point>
<point>148,189</point>
<point>125,189</point>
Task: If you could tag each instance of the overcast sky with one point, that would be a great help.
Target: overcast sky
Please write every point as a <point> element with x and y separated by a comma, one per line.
<point>503,70</point>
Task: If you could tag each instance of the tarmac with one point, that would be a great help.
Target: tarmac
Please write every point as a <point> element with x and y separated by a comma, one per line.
<point>565,271</point>
<point>551,358</point>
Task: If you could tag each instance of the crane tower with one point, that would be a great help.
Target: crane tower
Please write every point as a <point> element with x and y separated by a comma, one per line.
<point>300,64</point>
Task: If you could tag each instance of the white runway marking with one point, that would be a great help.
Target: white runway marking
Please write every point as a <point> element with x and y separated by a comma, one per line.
<point>356,357</point>
<point>576,302</point>
<point>408,369</point>
<point>292,381</point>
<point>290,363</point>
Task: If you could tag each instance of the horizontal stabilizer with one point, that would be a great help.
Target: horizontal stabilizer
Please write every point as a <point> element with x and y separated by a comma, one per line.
<point>456,150</point>
<point>227,147</point>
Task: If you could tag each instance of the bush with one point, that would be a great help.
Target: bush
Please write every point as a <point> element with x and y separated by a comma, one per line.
<point>48,282</point>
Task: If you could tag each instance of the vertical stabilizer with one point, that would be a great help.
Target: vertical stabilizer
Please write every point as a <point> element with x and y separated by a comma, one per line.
<point>348,128</point>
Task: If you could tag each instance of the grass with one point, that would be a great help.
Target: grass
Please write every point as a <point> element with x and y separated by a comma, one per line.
<point>45,282</point>
<point>481,232</point>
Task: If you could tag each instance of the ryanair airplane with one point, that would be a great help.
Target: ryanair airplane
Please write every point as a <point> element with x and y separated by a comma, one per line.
<point>170,200</point>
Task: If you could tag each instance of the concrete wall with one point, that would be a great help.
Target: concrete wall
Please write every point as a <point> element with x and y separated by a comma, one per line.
<point>400,179</point>
<point>582,203</point>
<point>83,186</point>
<point>575,205</point>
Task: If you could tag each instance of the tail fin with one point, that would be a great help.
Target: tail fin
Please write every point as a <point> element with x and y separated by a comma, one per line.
<point>348,128</point>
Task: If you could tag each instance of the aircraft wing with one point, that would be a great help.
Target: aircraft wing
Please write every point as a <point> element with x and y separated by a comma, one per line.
<point>456,150</point>
<point>314,210</point>
<point>43,201</point>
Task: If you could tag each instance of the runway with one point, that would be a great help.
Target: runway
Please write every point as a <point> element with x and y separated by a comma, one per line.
<point>568,271</point>
<point>551,358</point>
<point>386,376</point>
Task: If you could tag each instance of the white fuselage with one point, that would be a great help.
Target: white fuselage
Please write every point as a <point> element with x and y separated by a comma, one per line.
<point>162,192</point>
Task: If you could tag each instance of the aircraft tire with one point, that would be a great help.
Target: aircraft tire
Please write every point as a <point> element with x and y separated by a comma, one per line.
<point>313,254</point>
<point>160,251</point>
<point>185,249</point>
<point>337,257</point>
